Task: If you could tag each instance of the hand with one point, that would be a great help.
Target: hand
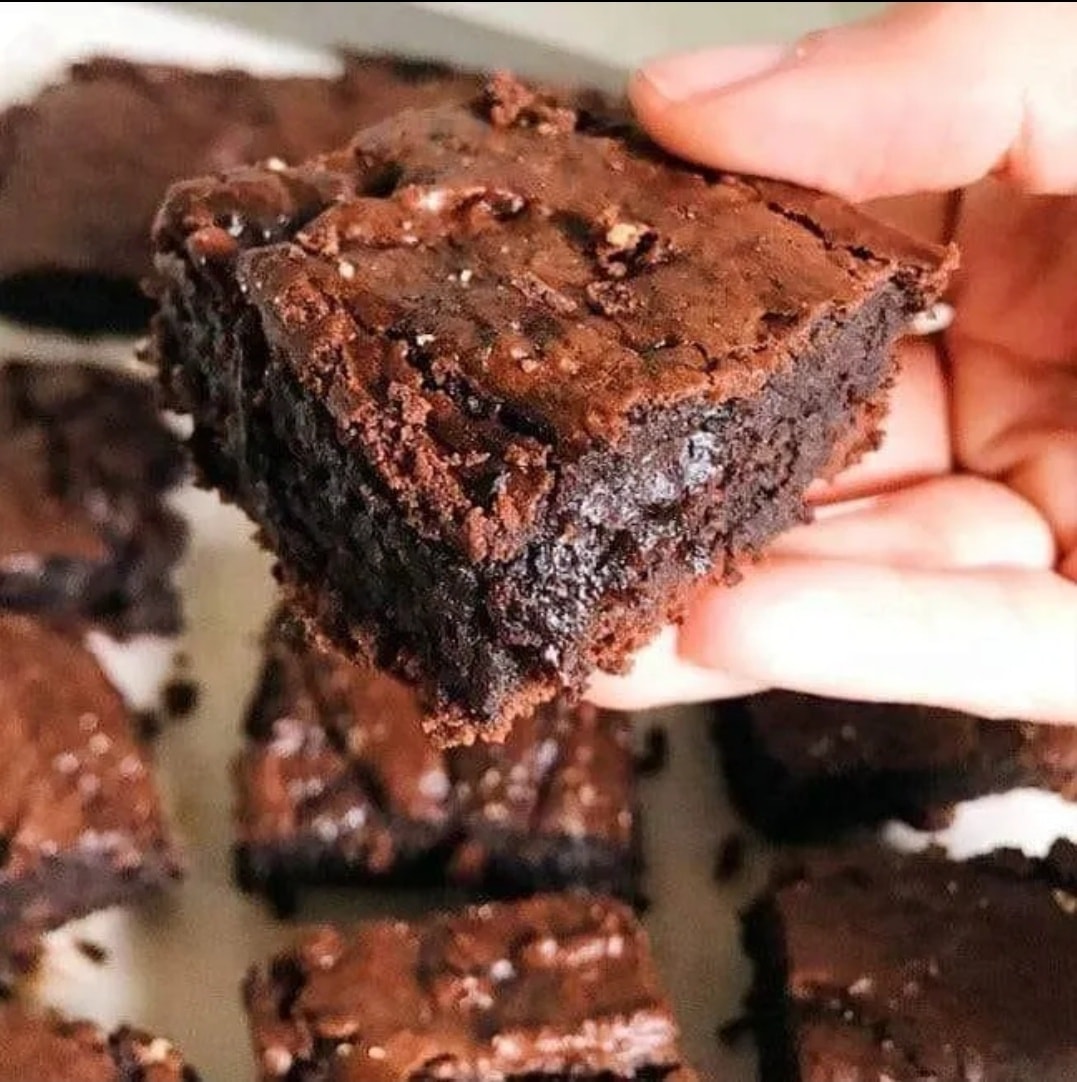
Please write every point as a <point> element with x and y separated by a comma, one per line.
<point>940,569</point>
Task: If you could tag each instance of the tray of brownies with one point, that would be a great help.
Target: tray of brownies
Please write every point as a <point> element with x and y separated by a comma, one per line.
<point>353,410</point>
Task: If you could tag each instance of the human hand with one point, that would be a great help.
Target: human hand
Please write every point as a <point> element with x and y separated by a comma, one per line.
<point>941,569</point>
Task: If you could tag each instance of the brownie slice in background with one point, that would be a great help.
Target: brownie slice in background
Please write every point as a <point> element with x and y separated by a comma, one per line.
<point>81,822</point>
<point>84,165</point>
<point>500,383</point>
<point>553,987</point>
<point>337,784</point>
<point>46,1047</point>
<point>872,966</point>
<point>86,533</point>
<point>802,768</point>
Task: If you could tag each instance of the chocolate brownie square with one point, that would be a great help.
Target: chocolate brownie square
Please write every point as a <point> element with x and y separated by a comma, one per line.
<point>86,464</point>
<point>84,165</point>
<point>338,784</point>
<point>876,966</point>
<point>553,987</point>
<point>81,822</point>
<point>45,1047</point>
<point>801,767</point>
<point>501,383</point>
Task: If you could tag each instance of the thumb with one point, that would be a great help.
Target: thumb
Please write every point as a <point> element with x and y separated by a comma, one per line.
<point>925,97</point>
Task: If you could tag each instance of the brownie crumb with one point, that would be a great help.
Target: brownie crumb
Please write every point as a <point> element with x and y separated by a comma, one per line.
<point>641,903</point>
<point>180,697</point>
<point>147,724</point>
<point>624,248</point>
<point>511,104</point>
<point>733,1031</point>
<point>93,952</point>
<point>654,756</point>
<point>729,858</point>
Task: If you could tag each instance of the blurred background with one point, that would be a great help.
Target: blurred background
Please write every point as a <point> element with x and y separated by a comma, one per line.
<point>618,35</point>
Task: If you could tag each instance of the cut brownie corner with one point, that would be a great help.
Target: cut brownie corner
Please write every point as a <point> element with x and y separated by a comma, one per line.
<point>550,988</point>
<point>502,384</point>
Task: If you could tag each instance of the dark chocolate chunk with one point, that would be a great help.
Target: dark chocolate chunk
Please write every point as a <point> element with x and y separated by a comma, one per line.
<point>180,697</point>
<point>473,472</point>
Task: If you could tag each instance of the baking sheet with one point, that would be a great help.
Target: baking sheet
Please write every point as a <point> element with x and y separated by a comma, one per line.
<point>175,967</point>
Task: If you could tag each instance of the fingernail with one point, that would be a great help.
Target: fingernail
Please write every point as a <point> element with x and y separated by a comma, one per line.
<point>688,75</point>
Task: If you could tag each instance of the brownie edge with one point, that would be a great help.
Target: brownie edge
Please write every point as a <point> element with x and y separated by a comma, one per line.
<point>82,825</point>
<point>472,378</point>
<point>805,768</point>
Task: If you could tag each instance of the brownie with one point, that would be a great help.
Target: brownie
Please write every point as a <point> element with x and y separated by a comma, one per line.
<point>500,383</point>
<point>877,966</point>
<point>86,464</point>
<point>802,768</point>
<point>337,783</point>
<point>85,164</point>
<point>553,987</point>
<point>45,1047</point>
<point>81,822</point>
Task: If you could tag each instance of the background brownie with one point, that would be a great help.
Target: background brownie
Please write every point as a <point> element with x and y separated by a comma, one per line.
<point>338,784</point>
<point>801,767</point>
<point>878,966</point>
<point>85,532</point>
<point>40,1047</point>
<point>84,166</point>
<point>500,383</point>
<point>81,823</point>
<point>553,987</point>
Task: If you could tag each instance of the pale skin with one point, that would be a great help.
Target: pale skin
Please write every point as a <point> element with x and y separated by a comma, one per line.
<point>942,569</point>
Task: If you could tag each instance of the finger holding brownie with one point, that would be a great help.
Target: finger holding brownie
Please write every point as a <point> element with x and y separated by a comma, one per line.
<point>943,568</point>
